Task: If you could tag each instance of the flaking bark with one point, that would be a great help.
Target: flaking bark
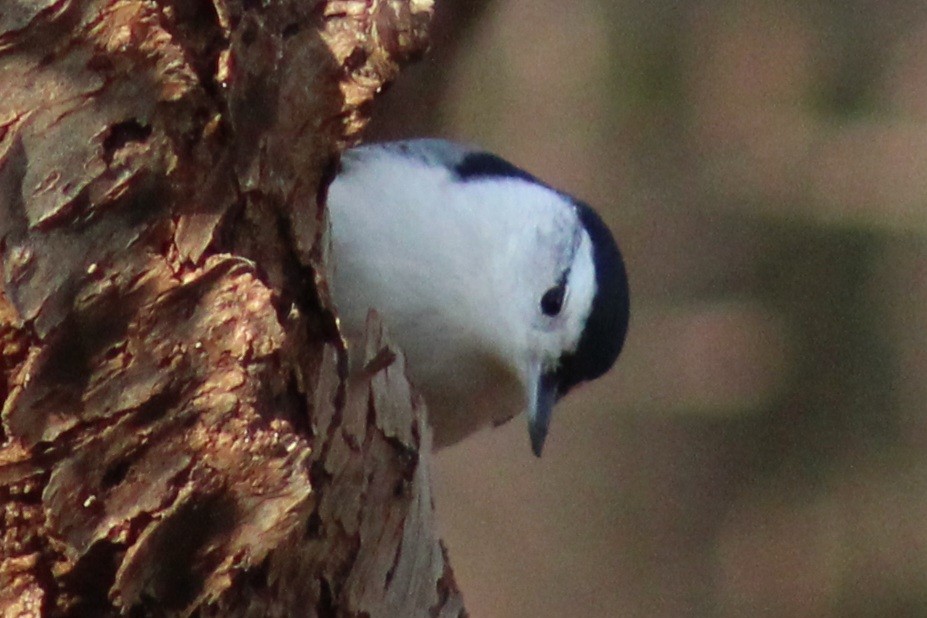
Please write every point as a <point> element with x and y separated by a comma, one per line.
<point>178,435</point>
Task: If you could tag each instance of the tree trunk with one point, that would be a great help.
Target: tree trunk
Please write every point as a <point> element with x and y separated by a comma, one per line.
<point>179,435</point>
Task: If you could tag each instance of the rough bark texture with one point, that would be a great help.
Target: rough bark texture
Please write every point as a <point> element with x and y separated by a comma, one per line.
<point>178,434</point>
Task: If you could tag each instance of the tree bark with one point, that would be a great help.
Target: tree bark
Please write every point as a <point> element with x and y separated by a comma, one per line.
<point>179,434</point>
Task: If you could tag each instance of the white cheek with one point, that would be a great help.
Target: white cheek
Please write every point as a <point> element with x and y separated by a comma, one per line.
<point>583,291</point>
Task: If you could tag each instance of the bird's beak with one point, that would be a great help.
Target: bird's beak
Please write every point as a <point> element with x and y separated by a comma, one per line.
<point>544,398</point>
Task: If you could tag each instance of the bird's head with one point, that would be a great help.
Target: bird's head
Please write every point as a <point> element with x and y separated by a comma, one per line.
<point>562,281</point>
<point>504,292</point>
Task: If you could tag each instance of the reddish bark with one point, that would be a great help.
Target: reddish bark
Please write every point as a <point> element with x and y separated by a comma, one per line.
<point>176,435</point>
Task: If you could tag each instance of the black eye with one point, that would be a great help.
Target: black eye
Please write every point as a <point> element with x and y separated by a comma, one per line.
<point>552,301</point>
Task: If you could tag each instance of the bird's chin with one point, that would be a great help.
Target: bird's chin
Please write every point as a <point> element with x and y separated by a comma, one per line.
<point>488,401</point>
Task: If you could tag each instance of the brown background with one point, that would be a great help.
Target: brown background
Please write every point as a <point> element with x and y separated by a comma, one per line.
<point>760,447</point>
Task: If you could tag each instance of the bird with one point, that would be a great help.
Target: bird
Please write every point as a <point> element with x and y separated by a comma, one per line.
<point>502,292</point>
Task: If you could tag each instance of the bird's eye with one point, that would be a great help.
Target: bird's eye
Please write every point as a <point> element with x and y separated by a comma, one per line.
<point>552,301</point>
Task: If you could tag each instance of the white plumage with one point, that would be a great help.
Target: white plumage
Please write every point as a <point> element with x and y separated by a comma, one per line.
<point>457,264</point>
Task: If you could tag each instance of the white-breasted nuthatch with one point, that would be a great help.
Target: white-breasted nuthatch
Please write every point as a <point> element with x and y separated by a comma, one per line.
<point>502,292</point>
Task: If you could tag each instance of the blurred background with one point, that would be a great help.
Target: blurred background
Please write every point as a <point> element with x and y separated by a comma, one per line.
<point>761,446</point>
